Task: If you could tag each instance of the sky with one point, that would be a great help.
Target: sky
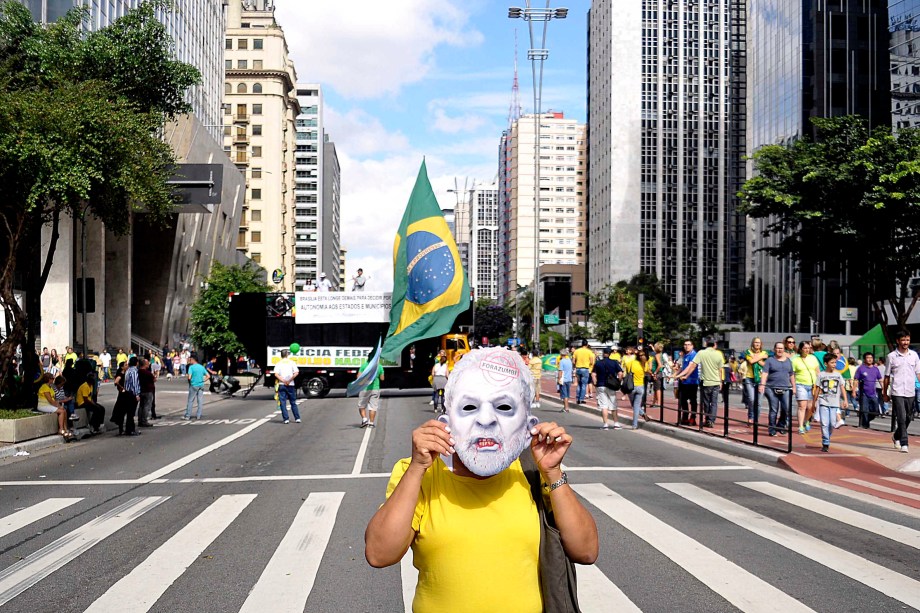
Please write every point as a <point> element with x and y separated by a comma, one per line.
<point>405,80</point>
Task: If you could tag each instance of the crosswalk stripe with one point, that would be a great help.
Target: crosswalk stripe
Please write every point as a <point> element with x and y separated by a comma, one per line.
<point>900,481</point>
<point>409,575</point>
<point>21,519</point>
<point>27,572</point>
<point>139,590</point>
<point>736,585</point>
<point>882,488</point>
<point>891,530</point>
<point>598,594</point>
<point>875,576</point>
<point>288,577</point>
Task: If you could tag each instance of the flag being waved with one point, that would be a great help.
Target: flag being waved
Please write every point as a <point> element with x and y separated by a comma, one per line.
<point>429,284</point>
<point>367,376</point>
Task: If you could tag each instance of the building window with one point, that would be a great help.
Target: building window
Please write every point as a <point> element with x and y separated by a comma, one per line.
<point>228,43</point>
<point>256,173</point>
<point>256,109</point>
<point>256,43</point>
<point>256,192</point>
<point>257,64</point>
<point>241,88</point>
<point>228,64</point>
<point>256,215</point>
<point>257,88</point>
<point>243,43</point>
<point>257,130</point>
<point>256,257</point>
<point>256,237</point>
<point>242,64</point>
<point>257,152</point>
<point>228,89</point>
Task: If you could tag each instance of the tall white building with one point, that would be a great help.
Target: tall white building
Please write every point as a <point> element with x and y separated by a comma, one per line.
<point>333,254</point>
<point>666,109</point>
<point>484,242</point>
<point>562,196</point>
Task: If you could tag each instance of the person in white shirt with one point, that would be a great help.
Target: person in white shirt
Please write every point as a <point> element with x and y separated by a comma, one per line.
<point>286,372</point>
<point>105,358</point>
<point>323,285</point>
<point>359,281</point>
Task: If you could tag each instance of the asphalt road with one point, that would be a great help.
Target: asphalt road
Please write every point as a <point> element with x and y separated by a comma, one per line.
<point>240,512</point>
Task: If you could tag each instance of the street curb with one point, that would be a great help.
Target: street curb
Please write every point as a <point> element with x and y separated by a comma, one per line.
<point>728,446</point>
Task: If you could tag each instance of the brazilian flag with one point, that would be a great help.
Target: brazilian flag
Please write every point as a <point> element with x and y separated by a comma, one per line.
<point>429,284</point>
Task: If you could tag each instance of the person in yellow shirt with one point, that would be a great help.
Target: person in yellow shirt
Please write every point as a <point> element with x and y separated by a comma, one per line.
<point>806,368</point>
<point>536,372</point>
<point>635,368</point>
<point>120,357</point>
<point>95,412</point>
<point>583,360</point>
<point>473,521</point>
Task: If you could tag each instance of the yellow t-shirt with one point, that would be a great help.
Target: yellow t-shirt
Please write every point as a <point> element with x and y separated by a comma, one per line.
<point>634,367</point>
<point>805,369</point>
<point>616,356</point>
<point>583,358</point>
<point>536,367</point>
<point>84,394</point>
<point>469,533</point>
<point>42,398</point>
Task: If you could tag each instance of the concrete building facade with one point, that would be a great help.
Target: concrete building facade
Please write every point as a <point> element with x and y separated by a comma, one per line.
<point>333,256</point>
<point>484,242</point>
<point>562,196</point>
<point>260,110</point>
<point>666,125</point>
<point>144,282</point>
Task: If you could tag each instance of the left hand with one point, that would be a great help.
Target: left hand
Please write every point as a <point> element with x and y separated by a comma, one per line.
<point>548,446</point>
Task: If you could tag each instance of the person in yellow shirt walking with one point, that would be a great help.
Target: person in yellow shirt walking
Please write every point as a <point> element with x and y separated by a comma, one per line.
<point>583,359</point>
<point>536,372</point>
<point>806,367</point>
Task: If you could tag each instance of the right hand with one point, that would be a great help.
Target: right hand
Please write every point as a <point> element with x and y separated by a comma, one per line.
<point>429,440</point>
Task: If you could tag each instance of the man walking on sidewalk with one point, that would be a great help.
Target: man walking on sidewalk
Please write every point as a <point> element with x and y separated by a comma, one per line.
<point>687,387</point>
<point>901,374</point>
<point>286,372</point>
<point>196,375</point>
<point>710,362</point>
<point>583,358</point>
<point>606,377</point>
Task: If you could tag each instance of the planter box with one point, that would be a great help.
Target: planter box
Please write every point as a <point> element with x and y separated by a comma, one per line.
<point>27,428</point>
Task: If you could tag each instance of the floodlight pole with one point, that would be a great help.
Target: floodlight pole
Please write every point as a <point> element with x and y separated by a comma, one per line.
<point>537,55</point>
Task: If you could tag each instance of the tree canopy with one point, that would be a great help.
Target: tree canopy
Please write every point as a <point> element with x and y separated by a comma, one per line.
<point>850,197</point>
<point>210,318</point>
<point>80,118</point>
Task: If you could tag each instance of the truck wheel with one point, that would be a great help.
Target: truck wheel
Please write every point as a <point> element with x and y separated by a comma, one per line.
<point>316,387</point>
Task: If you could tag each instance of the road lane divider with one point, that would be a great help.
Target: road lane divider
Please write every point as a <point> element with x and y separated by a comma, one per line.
<point>21,519</point>
<point>362,451</point>
<point>139,590</point>
<point>741,588</point>
<point>30,570</point>
<point>287,580</point>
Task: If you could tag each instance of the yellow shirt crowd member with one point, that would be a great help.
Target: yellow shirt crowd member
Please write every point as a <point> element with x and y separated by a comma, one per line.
<point>84,394</point>
<point>583,358</point>
<point>469,532</point>
<point>536,368</point>
<point>635,368</point>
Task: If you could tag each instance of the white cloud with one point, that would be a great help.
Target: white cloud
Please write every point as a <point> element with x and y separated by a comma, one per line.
<point>360,133</point>
<point>458,123</point>
<point>370,49</point>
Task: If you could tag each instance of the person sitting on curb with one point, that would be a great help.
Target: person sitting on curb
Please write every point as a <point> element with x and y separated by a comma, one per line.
<point>47,403</point>
<point>95,412</point>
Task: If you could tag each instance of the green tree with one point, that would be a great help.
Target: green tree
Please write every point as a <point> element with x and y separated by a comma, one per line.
<point>492,320</point>
<point>663,321</point>
<point>849,198</point>
<point>210,320</point>
<point>80,118</point>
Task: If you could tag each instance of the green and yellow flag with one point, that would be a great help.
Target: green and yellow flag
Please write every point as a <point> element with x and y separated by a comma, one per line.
<point>429,284</point>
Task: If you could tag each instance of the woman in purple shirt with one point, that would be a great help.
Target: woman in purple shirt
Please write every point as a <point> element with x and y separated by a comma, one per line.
<point>868,375</point>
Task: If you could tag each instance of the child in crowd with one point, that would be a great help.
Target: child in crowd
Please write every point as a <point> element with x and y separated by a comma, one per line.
<point>828,391</point>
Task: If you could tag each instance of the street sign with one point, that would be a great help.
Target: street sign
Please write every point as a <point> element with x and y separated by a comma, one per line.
<point>848,314</point>
<point>551,320</point>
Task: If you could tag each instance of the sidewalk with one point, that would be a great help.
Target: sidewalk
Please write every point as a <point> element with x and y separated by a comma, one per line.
<point>859,459</point>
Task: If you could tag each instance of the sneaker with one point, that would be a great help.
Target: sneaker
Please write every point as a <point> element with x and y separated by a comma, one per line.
<point>287,421</point>
<point>824,448</point>
<point>297,421</point>
<point>838,424</point>
<point>807,427</point>
<point>364,423</point>
<point>897,444</point>
<point>904,449</point>
<point>73,417</point>
<point>431,402</point>
<point>802,430</point>
<point>617,427</point>
<point>371,425</point>
<point>605,427</point>
<point>186,417</point>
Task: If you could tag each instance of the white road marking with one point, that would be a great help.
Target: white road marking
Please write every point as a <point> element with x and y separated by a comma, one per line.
<point>639,469</point>
<point>900,481</point>
<point>200,453</point>
<point>288,577</point>
<point>409,575</point>
<point>882,488</point>
<point>21,519</point>
<point>598,594</point>
<point>875,576</point>
<point>896,532</point>
<point>27,572</point>
<point>139,590</point>
<point>74,482</point>
<point>362,451</point>
<point>733,583</point>
<point>202,479</point>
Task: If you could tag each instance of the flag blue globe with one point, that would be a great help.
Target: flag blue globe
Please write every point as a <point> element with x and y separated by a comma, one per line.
<point>430,267</point>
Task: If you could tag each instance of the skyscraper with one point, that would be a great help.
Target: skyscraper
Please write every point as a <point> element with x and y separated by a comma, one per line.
<point>484,240</point>
<point>666,128</point>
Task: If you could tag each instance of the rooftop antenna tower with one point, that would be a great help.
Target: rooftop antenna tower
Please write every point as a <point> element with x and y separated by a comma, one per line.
<point>514,110</point>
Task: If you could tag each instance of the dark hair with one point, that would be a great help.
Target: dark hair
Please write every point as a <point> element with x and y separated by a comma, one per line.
<point>867,354</point>
<point>902,333</point>
<point>829,357</point>
<point>132,361</point>
<point>584,342</point>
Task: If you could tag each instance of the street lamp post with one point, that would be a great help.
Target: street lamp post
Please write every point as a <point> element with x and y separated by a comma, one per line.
<point>537,55</point>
